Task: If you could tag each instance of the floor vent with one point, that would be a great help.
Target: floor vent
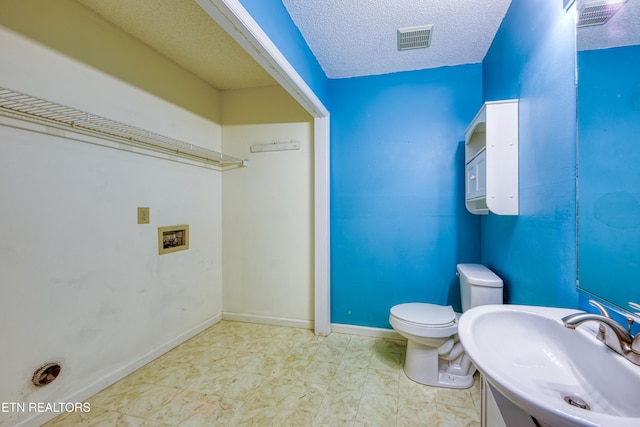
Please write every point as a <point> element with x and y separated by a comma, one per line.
<point>414,37</point>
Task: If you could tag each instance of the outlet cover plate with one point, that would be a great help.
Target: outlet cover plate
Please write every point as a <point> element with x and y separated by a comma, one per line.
<point>143,215</point>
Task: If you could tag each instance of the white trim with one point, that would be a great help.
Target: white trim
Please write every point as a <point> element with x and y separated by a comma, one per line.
<point>267,320</point>
<point>321,220</point>
<point>239,24</point>
<point>111,378</point>
<point>366,331</point>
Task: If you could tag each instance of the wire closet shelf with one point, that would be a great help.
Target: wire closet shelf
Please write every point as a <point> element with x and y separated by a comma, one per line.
<point>26,107</point>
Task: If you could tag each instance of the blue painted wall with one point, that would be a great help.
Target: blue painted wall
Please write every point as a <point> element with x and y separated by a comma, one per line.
<point>609,125</point>
<point>532,58</point>
<point>273,18</point>
<point>398,222</point>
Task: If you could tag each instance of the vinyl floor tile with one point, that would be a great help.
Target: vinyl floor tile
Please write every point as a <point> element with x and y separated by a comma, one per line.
<point>242,374</point>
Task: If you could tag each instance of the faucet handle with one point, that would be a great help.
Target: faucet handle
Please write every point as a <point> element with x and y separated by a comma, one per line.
<point>634,306</point>
<point>603,310</point>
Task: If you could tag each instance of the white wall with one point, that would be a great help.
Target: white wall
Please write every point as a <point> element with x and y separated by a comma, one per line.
<point>268,227</point>
<point>82,284</point>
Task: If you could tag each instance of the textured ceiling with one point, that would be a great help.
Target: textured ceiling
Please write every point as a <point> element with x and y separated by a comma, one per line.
<point>183,32</point>
<point>348,37</point>
<point>358,37</point>
<point>623,29</point>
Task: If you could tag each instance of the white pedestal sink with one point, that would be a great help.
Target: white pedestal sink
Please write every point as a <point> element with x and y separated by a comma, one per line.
<point>551,371</point>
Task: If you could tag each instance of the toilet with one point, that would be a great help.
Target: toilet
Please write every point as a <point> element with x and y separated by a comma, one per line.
<point>435,356</point>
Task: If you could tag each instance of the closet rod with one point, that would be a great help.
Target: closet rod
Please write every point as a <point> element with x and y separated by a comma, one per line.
<point>27,107</point>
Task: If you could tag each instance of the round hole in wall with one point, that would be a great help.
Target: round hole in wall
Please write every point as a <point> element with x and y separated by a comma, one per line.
<point>46,374</point>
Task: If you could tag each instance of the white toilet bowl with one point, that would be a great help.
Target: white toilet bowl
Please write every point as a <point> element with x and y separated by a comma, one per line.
<point>434,355</point>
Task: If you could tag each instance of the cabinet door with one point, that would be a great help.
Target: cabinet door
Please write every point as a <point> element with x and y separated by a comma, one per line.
<point>476,177</point>
<point>498,411</point>
<point>490,412</point>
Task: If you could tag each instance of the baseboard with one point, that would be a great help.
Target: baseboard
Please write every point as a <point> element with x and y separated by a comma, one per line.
<point>308,324</point>
<point>109,379</point>
<point>267,320</point>
<point>366,331</point>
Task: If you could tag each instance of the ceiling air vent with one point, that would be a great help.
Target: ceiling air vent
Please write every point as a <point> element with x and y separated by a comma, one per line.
<point>598,12</point>
<point>414,37</point>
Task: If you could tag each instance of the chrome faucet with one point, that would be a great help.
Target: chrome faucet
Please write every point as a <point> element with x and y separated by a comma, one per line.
<point>610,332</point>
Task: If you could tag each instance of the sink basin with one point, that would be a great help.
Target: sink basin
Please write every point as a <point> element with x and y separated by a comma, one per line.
<point>537,363</point>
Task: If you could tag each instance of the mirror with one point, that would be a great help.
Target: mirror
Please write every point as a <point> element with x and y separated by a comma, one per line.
<point>608,61</point>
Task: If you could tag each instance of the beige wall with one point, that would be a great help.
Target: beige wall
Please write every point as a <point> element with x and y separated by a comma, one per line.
<point>267,227</point>
<point>267,210</point>
<point>270,104</point>
<point>72,207</point>
<point>82,282</point>
<point>75,31</point>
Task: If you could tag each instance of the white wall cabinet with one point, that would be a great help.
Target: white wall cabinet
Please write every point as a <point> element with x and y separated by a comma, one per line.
<point>491,158</point>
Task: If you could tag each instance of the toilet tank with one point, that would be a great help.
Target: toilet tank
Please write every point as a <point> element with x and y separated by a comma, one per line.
<point>478,286</point>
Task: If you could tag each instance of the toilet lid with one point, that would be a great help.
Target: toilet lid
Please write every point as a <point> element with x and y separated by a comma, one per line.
<point>423,313</point>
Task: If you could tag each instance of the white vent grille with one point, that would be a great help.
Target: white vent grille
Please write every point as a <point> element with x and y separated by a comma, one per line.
<point>598,12</point>
<point>414,37</point>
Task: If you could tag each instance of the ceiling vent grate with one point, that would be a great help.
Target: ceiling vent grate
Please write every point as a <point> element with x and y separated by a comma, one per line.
<point>414,37</point>
<point>598,12</point>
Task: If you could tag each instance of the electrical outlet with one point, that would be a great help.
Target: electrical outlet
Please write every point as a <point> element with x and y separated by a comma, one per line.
<point>143,215</point>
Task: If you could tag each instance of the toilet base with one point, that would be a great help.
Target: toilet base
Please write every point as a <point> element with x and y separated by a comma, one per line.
<point>422,365</point>
<point>444,380</point>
